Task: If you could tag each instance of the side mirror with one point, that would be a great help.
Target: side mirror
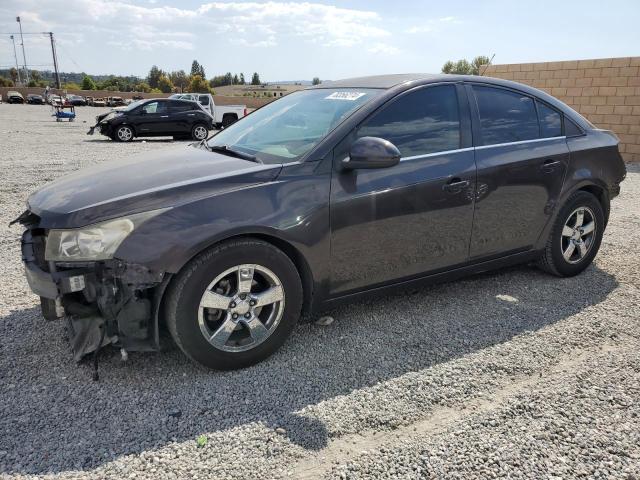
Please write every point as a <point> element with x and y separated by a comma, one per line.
<point>371,152</point>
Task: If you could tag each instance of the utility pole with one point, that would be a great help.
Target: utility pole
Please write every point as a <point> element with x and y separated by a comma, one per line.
<point>16,57</point>
<point>55,59</point>
<point>24,56</point>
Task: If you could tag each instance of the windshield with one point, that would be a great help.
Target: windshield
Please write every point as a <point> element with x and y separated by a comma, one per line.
<point>285,130</point>
<point>132,105</point>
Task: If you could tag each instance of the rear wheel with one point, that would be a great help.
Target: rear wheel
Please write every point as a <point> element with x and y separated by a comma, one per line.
<point>234,305</point>
<point>124,133</point>
<point>576,236</point>
<point>199,132</point>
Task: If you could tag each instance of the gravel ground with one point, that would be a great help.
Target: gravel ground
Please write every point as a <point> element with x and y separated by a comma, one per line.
<point>509,374</point>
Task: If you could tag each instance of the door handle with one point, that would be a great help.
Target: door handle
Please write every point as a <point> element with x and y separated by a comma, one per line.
<point>164,116</point>
<point>549,165</point>
<point>455,185</point>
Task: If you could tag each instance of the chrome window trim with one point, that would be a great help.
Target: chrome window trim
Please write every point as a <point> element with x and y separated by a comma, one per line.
<point>520,142</point>
<point>435,154</point>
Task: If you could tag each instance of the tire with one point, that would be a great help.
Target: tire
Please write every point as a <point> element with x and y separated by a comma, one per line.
<point>199,131</point>
<point>228,119</point>
<point>236,347</point>
<point>124,133</point>
<point>554,258</point>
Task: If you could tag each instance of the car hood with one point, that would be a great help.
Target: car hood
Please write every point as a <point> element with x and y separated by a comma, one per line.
<point>145,182</point>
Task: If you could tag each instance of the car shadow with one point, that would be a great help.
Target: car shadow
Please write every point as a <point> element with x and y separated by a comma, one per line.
<point>52,409</point>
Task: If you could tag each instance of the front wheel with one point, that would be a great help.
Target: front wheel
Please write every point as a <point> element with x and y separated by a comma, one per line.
<point>235,304</point>
<point>199,132</point>
<point>576,236</point>
<point>124,133</point>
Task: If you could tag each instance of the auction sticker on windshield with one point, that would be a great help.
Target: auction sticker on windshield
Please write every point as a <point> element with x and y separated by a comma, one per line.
<point>350,96</point>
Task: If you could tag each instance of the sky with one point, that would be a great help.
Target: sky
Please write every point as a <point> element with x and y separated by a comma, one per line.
<point>285,40</point>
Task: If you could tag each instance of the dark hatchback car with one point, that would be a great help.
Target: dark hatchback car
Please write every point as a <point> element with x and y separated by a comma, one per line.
<point>77,101</point>
<point>34,99</point>
<point>158,117</point>
<point>352,187</point>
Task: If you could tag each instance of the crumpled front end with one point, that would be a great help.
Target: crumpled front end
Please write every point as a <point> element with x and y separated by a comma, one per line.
<point>105,302</point>
<point>103,123</point>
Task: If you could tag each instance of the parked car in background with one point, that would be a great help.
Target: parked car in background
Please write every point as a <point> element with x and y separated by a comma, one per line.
<point>55,100</point>
<point>76,100</point>
<point>223,115</point>
<point>156,117</point>
<point>114,102</point>
<point>99,102</point>
<point>137,97</point>
<point>89,100</point>
<point>14,97</point>
<point>34,99</point>
<point>349,188</point>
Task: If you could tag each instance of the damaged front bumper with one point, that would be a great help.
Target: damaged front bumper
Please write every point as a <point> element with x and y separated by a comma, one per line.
<point>105,302</point>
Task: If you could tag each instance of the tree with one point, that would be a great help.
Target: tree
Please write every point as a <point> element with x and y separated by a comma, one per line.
<point>88,83</point>
<point>316,81</point>
<point>197,69</point>
<point>142,87</point>
<point>154,76</point>
<point>255,79</point>
<point>71,86</point>
<point>179,79</point>
<point>5,82</point>
<point>198,85</point>
<point>236,80</point>
<point>13,73</point>
<point>242,81</point>
<point>479,64</point>
<point>463,67</point>
<point>165,85</point>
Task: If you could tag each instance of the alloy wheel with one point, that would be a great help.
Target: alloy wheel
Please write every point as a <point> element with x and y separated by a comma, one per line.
<point>241,308</point>
<point>578,234</point>
<point>200,132</point>
<point>125,134</point>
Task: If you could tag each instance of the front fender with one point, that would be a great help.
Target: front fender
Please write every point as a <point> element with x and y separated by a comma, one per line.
<point>293,209</point>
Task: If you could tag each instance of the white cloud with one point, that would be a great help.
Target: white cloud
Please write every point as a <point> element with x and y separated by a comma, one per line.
<point>126,25</point>
<point>383,49</point>
<point>431,26</point>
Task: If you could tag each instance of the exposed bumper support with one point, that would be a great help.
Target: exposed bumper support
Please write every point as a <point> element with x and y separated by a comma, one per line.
<point>119,297</point>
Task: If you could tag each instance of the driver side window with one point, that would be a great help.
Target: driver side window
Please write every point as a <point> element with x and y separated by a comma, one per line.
<point>418,123</point>
<point>155,107</point>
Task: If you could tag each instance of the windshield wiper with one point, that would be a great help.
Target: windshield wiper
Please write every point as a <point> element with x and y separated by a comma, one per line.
<point>224,149</point>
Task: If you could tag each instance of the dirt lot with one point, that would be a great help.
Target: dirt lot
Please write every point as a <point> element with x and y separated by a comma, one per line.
<point>511,374</point>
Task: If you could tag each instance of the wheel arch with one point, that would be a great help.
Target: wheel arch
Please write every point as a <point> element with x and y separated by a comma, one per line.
<point>294,254</point>
<point>590,186</point>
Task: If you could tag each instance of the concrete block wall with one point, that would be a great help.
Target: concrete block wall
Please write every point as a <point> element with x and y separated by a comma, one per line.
<point>605,90</point>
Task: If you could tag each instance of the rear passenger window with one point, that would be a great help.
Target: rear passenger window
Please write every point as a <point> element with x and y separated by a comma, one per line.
<point>505,116</point>
<point>420,122</point>
<point>571,129</point>
<point>182,106</point>
<point>550,121</point>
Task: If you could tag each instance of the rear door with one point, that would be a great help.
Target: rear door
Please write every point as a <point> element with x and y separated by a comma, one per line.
<point>394,223</point>
<point>182,114</point>
<point>522,157</point>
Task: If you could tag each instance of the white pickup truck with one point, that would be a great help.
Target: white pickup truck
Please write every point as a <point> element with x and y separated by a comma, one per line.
<point>223,115</point>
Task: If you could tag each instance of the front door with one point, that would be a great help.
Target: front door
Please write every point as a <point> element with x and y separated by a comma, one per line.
<point>522,158</point>
<point>153,119</point>
<point>399,222</point>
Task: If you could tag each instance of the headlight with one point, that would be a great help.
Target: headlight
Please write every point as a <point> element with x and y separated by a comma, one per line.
<point>93,242</point>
